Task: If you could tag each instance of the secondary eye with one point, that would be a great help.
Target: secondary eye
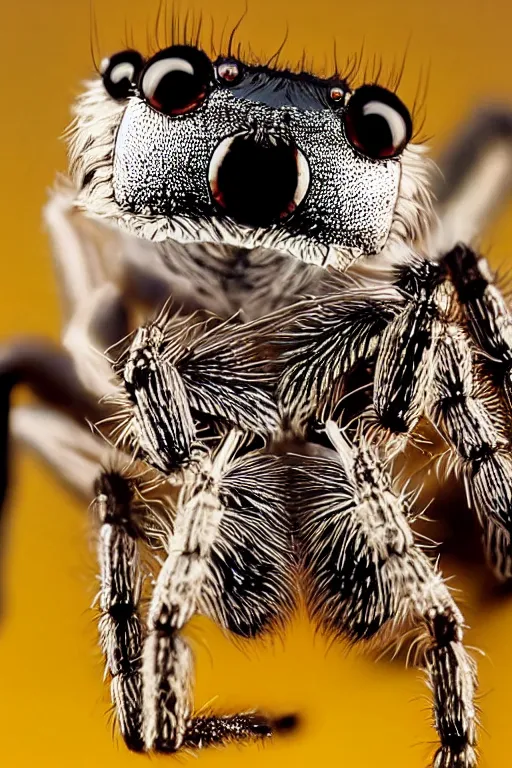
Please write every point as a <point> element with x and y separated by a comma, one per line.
<point>337,95</point>
<point>228,71</point>
<point>120,73</point>
<point>177,80</point>
<point>377,123</point>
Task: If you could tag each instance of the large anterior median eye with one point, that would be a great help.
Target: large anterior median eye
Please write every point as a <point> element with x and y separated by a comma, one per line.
<point>377,123</point>
<point>177,80</point>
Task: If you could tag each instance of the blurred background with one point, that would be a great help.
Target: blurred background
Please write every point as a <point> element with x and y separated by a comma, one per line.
<point>53,703</point>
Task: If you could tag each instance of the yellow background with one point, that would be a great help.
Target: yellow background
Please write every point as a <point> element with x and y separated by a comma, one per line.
<point>53,702</point>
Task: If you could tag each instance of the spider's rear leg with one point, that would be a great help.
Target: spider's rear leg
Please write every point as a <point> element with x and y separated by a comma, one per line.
<point>72,452</point>
<point>424,361</point>
<point>364,573</point>
<point>475,176</point>
<point>88,254</point>
<point>483,448</point>
<point>50,375</point>
<point>243,578</point>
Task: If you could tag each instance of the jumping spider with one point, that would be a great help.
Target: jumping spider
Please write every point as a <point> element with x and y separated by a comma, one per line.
<point>290,220</point>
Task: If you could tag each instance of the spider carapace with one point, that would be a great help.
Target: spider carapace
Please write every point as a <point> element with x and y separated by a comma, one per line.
<point>232,241</point>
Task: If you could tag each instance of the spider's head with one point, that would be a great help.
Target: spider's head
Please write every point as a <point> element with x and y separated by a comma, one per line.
<point>178,147</point>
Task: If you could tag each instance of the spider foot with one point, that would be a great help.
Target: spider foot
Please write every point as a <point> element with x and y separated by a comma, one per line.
<point>210,730</point>
<point>455,757</point>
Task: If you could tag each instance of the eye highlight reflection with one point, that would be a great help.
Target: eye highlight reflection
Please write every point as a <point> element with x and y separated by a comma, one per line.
<point>177,80</point>
<point>228,71</point>
<point>377,123</point>
<point>120,73</point>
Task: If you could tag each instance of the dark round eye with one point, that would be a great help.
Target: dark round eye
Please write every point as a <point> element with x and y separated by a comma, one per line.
<point>377,123</point>
<point>228,71</point>
<point>120,73</point>
<point>177,80</point>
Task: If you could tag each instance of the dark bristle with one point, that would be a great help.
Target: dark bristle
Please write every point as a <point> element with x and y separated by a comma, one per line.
<point>172,27</point>
<point>418,111</point>
<point>234,31</point>
<point>94,44</point>
<point>273,62</point>
<point>158,23</point>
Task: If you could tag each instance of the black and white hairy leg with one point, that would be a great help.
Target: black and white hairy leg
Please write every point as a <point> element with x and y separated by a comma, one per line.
<point>232,243</point>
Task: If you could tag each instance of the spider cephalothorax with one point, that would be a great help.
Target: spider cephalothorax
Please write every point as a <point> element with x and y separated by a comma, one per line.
<point>180,147</point>
<point>210,357</point>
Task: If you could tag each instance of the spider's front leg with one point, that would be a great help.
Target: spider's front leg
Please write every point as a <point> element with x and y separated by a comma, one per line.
<point>168,663</point>
<point>475,178</point>
<point>229,556</point>
<point>120,583</point>
<point>151,678</point>
<point>180,374</point>
<point>364,573</point>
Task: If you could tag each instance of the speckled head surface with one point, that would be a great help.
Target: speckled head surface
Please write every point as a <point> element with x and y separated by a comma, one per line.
<point>264,160</point>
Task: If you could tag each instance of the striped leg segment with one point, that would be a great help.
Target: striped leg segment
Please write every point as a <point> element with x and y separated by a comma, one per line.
<point>487,316</point>
<point>119,625</point>
<point>482,447</point>
<point>365,573</point>
<point>407,347</point>
<point>161,424</point>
